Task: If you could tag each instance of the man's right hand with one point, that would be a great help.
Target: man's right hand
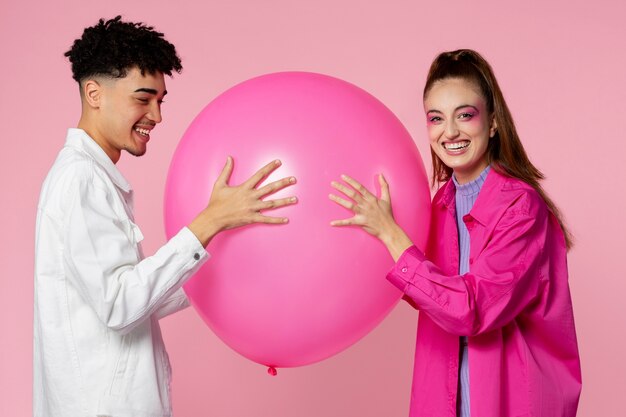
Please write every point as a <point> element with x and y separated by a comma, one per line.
<point>235,206</point>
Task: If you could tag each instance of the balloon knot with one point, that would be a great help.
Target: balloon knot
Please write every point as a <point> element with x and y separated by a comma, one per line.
<point>272,371</point>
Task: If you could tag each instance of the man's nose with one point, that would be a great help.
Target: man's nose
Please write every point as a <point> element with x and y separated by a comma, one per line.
<point>155,113</point>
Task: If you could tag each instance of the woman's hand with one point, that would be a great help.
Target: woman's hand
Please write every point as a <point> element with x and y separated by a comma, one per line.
<point>235,206</point>
<point>373,214</point>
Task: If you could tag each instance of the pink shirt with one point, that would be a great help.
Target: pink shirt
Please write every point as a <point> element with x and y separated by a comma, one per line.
<point>514,304</point>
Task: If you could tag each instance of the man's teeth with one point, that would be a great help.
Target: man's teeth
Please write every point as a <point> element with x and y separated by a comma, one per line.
<point>456,145</point>
<point>144,132</point>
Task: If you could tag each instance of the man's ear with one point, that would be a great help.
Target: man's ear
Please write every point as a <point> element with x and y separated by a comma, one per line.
<point>92,93</point>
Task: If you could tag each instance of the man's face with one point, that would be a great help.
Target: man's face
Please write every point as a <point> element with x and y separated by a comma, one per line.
<point>128,109</point>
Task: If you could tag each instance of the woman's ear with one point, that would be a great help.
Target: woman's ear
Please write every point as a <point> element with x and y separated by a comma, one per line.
<point>494,127</point>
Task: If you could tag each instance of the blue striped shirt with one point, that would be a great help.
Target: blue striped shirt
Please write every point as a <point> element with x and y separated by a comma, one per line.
<point>465,198</point>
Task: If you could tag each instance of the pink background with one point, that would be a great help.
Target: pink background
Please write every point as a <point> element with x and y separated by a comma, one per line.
<point>560,64</point>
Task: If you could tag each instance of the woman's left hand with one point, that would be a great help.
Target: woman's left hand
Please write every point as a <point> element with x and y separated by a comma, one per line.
<point>371,213</point>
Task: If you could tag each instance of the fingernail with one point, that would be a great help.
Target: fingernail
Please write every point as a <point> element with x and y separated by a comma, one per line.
<point>292,180</point>
<point>293,199</point>
<point>277,162</point>
<point>285,220</point>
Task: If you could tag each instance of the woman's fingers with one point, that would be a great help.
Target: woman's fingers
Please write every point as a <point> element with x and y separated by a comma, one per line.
<point>346,204</point>
<point>342,202</point>
<point>344,222</point>
<point>349,192</point>
<point>358,186</point>
<point>384,189</point>
<point>359,193</point>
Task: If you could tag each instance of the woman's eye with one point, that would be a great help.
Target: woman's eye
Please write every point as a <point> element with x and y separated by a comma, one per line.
<point>434,119</point>
<point>466,115</point>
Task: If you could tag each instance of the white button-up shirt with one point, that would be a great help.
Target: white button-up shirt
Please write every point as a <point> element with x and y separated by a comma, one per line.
<point>98,349</point>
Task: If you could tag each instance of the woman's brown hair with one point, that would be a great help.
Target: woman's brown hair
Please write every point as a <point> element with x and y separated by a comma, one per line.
<point>505,152</point>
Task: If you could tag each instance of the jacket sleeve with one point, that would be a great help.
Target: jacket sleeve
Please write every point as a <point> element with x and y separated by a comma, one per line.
<point>103,260</point>
<point>503,280</point>
<point>176,302</point>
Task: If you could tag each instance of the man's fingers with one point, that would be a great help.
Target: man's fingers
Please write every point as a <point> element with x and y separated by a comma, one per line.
<point>270,220</point>
<point>226,172</point>
<point>275,186</point>
<point>274,204</point>
<point>261,174</point>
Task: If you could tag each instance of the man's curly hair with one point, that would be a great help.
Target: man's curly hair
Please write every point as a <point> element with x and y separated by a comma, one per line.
<point>112,47</point>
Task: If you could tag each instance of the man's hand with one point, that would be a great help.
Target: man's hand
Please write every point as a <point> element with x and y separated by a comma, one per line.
<point>235,206</point>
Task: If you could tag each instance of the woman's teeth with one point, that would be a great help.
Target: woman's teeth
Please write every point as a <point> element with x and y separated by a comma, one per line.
<point>454,146</point>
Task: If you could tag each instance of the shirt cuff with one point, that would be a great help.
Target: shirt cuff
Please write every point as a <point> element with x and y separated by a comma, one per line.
<point>186,242</point>
<point>403,272</point>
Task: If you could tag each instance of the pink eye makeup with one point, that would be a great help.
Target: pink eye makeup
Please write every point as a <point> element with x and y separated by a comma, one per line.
<point>432,118</point>
<point>467,113</point>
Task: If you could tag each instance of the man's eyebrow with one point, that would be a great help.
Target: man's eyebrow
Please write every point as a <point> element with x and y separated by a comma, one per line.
<point>149,91</point>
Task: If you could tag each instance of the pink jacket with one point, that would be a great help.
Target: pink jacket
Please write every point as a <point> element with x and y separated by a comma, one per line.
<point>514,305</point>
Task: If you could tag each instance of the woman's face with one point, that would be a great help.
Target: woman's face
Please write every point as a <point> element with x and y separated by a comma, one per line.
<point>459,126</point>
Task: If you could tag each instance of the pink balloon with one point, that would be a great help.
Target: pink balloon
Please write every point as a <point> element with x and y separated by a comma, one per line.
<point>295,294</point>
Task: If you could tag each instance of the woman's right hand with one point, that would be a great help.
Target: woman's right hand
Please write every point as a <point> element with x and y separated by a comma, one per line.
<point>235,206</point>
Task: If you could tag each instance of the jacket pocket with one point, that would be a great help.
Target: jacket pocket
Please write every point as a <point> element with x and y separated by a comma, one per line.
<point>136,234</point>
<point>133,232</point>
<point>120,376</point>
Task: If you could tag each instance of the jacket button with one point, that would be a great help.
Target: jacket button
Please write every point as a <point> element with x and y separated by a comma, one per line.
<point>196,256</point>
<point>404,269</point>
<point>471,260</point>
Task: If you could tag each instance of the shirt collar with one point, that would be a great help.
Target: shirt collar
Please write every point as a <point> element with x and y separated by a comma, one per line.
<point>496,195</point>
<point>78,138</point>
<point>472,187</point>
<point>493,197</point>
<point>445,195</point>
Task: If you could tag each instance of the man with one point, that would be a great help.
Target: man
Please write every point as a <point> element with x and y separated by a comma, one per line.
<point>98,349</point>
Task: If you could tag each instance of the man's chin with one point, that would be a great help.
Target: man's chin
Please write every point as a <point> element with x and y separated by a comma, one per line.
<point>136,152</point>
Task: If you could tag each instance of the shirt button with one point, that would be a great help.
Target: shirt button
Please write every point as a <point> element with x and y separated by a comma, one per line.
<point>196,256</point>
<point>404,269</point>
<point>471,260</point>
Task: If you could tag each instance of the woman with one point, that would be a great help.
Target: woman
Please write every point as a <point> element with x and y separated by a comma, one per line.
<point>496,332</point>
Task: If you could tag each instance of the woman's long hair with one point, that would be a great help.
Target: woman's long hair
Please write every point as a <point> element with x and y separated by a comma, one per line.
<point>505,152</point>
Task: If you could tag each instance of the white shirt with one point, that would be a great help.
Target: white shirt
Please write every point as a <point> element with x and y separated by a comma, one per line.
<point>98,349</point>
